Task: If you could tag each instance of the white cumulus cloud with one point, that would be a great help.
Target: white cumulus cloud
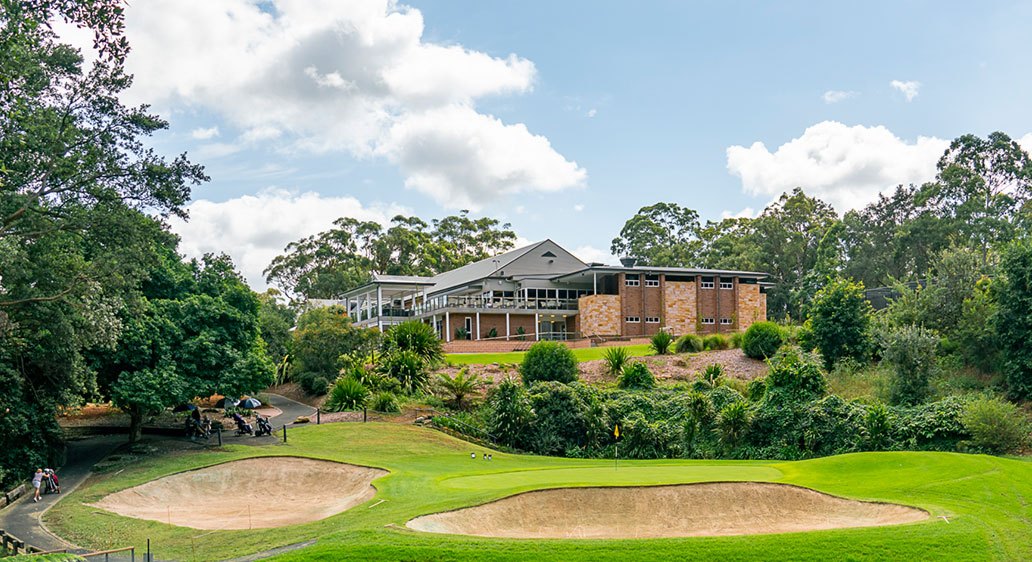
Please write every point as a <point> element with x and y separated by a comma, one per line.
<point>204,133</point>
<point>845,166</point>
<point>346,75</point>
<point>835,96</point>
<point>254,229</point>
<point>910,88</point>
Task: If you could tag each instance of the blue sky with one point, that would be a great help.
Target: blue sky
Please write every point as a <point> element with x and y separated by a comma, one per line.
<point>579,112</point>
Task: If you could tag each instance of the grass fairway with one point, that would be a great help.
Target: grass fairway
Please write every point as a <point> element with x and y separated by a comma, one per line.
<point>582,354</point>
<point>984,498</point>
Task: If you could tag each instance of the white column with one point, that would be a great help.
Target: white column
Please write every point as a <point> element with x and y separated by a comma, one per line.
<point>347,306</point>
<point>447,326</point>
<point>594,282</point>
<point>506,326</point>
<point>537,327</point>
<point>379,307</point>
<point>478,326</point>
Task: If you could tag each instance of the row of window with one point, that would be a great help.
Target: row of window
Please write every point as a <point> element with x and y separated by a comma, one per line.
<point>637,319</point>
<point>723,321</point>
<point>634,280</point>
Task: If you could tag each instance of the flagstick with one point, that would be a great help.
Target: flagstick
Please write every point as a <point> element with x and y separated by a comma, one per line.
<point>616,457</point>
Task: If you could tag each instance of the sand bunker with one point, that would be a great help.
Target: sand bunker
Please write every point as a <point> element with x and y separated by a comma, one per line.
<point>248,494</point>
<point>693,510</point>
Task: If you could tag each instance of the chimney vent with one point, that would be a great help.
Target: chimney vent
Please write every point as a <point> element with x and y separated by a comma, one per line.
<point>628,262</point>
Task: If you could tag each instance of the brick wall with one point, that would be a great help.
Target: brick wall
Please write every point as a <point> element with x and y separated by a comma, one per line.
<point>752,305</point>
<point>680,307</point>
<point>600,315</point>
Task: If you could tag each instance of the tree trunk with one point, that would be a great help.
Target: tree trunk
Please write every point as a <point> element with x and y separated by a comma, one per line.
<point>135,424</point>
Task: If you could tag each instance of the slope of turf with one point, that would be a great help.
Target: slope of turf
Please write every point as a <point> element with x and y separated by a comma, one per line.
<point>581,354</point>
<point>978,503</point>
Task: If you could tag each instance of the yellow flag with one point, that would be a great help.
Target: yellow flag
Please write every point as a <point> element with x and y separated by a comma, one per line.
<point>616,431</point>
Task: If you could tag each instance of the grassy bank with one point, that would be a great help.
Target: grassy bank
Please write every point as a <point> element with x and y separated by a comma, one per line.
<point>983,498</point>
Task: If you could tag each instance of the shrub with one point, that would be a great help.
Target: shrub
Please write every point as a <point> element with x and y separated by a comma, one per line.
<point>408,368</point>
<point>461,334</point>
<point>911,353</point>
<point>733,422</point>
<point>661,342</point>
<point>721,396</point>
<point>1014,317</point>
<point>548,361</point>
<point>715,341</point>
<point>460,386</point>
<point>756,389</point>
<point>735,340</point>
<point>615,358</point>
<point>996,426</point>
<point>346,394</point>
<point>762,340</point>
<point>932,426</point>
<point>385,402</point>
<point>313,384</point>
<point>795,376</point>
<point>840,319</point>
<point>521,333</point>
<point>560,418</point>
<point>637,376</point>
<point>878,427</point>
<point>511,414</point>
<point>492,333</point>
<point>416,337</point>
<point>688,343</point>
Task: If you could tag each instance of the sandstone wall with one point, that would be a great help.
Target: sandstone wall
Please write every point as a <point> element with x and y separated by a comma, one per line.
<point>680,307</point>
<point>599,315</point>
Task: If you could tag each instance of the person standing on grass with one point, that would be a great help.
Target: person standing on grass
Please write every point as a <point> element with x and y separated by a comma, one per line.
<point>37,479</point>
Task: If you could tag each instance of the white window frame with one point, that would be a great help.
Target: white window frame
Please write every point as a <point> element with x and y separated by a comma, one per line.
<point>632,282</point>
<point>727,285</point>
<point>706,284</point>
<point>707,321</point>
<point>632,319</point>
<point>652,319</point>
<point>726,322</point>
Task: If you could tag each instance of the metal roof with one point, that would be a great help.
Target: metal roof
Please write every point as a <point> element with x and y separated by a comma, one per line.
<point>663,270</point>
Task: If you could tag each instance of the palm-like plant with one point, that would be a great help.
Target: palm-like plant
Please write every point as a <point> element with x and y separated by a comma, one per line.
<point>733,422</point>
<point>416,337</point>
<point>661,342</point>
<point>616,358</point>
<point>408,368</point>
<point>347,393</point>
<point>460,386</point>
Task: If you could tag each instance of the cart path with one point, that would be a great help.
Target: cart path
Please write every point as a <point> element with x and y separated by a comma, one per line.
<point>23,518</point>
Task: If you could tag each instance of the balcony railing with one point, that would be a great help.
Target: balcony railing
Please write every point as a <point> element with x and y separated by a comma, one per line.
<point>471,302</point>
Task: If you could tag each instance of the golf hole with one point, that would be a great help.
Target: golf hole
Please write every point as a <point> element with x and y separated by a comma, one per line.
<point>248,494</point>
<point>692,510</point>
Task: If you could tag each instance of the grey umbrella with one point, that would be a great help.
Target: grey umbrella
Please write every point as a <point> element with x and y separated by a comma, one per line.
<point>250,403</point>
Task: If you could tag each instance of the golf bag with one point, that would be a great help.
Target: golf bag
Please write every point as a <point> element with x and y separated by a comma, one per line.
<point>264,427</point>
<point>50,484</point>
<point>242,426</point>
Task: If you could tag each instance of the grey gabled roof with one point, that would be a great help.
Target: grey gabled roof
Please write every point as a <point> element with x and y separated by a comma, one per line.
<point>497,265</point>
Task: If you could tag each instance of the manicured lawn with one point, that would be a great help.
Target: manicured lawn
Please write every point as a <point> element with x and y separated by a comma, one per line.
<point>583,354</point>
<point>985,499</point>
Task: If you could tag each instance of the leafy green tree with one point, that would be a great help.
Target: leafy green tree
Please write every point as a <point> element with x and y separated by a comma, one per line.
<point>325,334</point>
<point>511,414</point>
<point>548,361</point>
<point>74,176</point>
<point>910,350</point>
<point>330,263</point>
<point>840,320</point>
<point>664,234</point>
<point>197,337</point>
<point>276,320</point>
<point>560,420</point>
<point>1014,320</point>
<point>981,186</point>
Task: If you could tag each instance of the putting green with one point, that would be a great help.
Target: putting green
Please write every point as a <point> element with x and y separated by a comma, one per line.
<point>630,474</point>
<point>979,507</point>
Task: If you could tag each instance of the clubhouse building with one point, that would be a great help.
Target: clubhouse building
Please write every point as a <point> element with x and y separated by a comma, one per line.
<point>541,291</point>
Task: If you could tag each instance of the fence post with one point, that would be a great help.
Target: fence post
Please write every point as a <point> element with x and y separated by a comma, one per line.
<point>218,431</point>
<point>284,433</point>
<point>148,558</point>
<point>318,416</point>
<point>365,412</point>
